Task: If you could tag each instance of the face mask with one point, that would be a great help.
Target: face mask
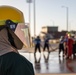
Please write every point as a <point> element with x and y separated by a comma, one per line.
<point>18,34</point>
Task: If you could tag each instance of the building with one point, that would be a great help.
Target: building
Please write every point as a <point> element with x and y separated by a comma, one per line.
<point>52,32</point>
<point>49,29</point>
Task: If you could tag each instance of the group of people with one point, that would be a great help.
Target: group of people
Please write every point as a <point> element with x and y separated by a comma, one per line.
<point>37,42</point>
<point>67,45</point>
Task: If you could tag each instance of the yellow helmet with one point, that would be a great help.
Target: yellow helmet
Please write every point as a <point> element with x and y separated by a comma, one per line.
<point>10,17</point>
<point>12,13</point>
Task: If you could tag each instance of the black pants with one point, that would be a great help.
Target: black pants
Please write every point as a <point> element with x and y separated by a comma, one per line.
<point>15,64</point>
<point>74,49</point>
<point>37,47</point>
<point>61,48</point>
<point>46,46</point>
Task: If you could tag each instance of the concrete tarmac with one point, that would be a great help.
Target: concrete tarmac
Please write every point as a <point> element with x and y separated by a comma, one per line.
<point>48,64</point>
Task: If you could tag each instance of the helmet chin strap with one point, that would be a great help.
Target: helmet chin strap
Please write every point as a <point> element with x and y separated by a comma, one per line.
<point>8,26</point>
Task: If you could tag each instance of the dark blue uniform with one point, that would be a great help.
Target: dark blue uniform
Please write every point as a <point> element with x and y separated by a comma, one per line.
<point>46,44</point>
<point>61,47</point>
<point>37,44</point>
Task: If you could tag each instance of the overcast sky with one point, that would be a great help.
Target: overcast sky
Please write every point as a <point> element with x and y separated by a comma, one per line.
<point>48,13</point>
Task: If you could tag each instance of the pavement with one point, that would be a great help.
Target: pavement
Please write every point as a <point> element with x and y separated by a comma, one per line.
<point>49,64</point>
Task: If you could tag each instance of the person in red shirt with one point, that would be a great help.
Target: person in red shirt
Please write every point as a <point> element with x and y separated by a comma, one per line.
<point>70,47</point>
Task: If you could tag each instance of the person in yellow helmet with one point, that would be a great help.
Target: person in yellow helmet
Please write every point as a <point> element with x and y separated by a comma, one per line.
<point>11,62</point>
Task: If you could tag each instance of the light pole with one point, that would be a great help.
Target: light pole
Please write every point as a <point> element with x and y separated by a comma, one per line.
<point>67,13</point>
<point>29,2</point>
<point>34,5</point>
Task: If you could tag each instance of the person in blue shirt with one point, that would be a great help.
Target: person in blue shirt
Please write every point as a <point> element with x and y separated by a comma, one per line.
<point>37,44</point>
<point>46,44</point>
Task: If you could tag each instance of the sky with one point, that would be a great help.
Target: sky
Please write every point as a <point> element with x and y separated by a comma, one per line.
<point>48,13</point>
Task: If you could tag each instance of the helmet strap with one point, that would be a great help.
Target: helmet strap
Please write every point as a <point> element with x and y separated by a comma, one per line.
<point>10,38</point>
